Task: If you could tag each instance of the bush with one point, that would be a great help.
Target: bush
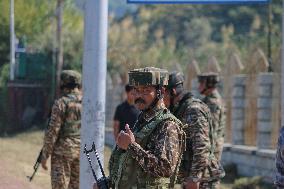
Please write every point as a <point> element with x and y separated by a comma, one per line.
<point>4,77</point>
<point>248,183</point>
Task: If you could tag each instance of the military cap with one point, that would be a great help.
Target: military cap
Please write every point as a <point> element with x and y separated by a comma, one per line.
<point>175,79</point>
<point>209,77</point>
<point>148,76</point>
<point>70,77</point>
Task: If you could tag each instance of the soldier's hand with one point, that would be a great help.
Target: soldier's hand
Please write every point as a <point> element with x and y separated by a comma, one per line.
<point>125,138</point>
<point>128,131</point>
<point>44,164</point>
<point>190,185</point>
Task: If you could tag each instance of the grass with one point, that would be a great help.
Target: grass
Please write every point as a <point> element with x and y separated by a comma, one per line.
<point>18,155</point>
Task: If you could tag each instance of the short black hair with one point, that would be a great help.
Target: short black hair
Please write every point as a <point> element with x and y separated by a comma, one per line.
<point>128,88</point>
<point>179,89</point>
<point>70,86</point>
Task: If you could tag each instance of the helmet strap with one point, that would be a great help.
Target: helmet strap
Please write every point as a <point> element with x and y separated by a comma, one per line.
<point>159,92</point>
<point>204,90</point>
<point>158,97</point>
<point>172,97</point>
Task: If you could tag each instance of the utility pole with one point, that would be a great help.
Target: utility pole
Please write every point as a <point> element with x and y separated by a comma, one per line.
<point>12,41</point>
<point>94,87</point>
<point>59,58</point>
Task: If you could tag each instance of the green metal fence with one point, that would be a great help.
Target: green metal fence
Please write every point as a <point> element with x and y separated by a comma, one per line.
<point>33,66</point>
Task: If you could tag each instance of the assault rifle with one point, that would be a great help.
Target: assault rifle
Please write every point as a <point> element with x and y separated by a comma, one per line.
<point>36,165</point>
<point>39,157</point>
<point>101,182</point>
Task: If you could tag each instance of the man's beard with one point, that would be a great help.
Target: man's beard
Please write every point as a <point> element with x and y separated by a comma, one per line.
<point>139,101</point>
<point>140,104</point>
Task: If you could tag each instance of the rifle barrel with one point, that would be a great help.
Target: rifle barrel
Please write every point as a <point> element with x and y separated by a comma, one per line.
<point>98,158</point>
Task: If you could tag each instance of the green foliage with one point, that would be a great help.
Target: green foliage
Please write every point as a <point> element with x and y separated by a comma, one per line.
<point>247,183</point>
<point>148,35</point>
<point>36,20</point>
<point>4,35</point>
<point>160,35</point>
<point>73,26</point>
<point>128,47</point>
<point>4,76</point>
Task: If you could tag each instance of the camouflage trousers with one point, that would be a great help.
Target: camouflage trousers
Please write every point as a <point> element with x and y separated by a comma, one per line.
<point>219,148</point>
<point>218,155</point>
<point>64,172</point>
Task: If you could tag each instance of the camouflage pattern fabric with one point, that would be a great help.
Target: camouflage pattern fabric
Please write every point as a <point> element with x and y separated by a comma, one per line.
<point>153,158</point>
<point>215,104</point>
<point>64,147</point>
<point>70,77</point>
<point>64,172</point>
<point>148,76</point>
<point>279,179</point>
<point>211,79</point>
<point>198,161</point>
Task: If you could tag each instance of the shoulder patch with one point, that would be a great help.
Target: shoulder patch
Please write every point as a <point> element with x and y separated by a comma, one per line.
<point>191,116</point>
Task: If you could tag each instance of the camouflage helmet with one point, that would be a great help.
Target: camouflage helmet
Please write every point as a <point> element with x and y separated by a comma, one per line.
<point>211,78</point>
<point>175,79</point>
<point>70,78</point>
<point>148,76</point>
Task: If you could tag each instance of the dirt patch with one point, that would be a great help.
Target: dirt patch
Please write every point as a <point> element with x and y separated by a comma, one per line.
<point>18,155</point>
<point>12,182</point>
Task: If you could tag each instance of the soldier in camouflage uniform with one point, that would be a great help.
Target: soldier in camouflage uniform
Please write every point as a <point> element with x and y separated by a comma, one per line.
<point>148,156</point>
<point>207,87</point>
<point>199,168</point>
<point>62,138</point>
<point>279,179</point>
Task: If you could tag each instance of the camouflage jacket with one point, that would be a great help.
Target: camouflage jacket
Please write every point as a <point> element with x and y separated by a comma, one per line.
<point>62,136</point>
<point>215,104</point>
<point>198,159</point>
<point>153,158</point>
<point>279,179</point>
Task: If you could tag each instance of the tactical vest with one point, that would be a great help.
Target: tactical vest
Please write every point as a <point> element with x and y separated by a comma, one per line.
<point>125,173</point>
<point>72,117</point>
<point>214,171</point>
<point>188,101</point>
<point>213,101</point>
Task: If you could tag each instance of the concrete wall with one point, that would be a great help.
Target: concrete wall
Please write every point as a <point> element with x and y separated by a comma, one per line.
<point>238,109</point>
<point>250,160</point>
<point>264,110</point>
<point>256,160</point>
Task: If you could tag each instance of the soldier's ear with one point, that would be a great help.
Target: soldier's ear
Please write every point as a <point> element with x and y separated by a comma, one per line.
<point>174,91</point>
<point>163,90</point>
